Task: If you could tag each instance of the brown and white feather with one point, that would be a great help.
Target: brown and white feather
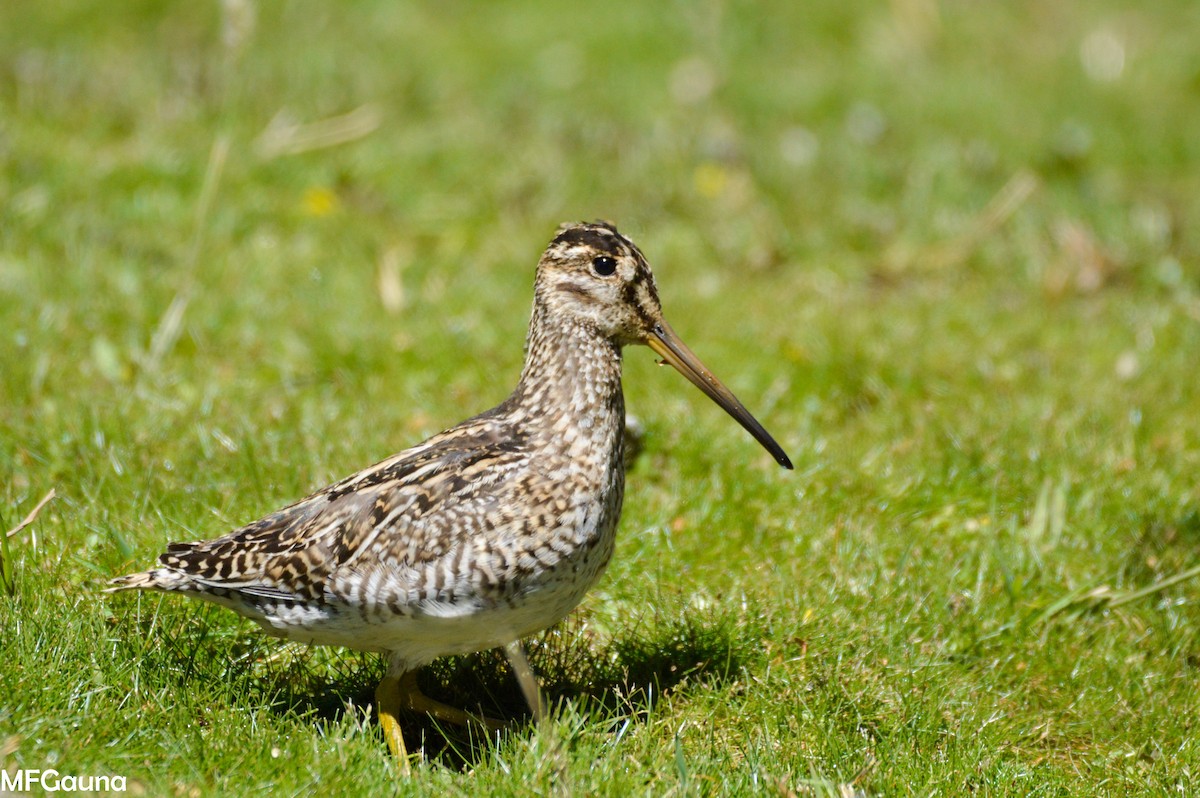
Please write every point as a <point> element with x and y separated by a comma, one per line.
<point>487,532</point>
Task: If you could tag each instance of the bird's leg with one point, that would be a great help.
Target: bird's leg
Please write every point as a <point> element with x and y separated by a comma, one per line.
<point>397,691</point>
<point>411,698</point>
<point>525,678</point>
<point>388,702</point>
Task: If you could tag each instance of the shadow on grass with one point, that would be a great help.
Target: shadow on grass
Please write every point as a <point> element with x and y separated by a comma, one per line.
<point>622,679</point>
<point>178,648</point>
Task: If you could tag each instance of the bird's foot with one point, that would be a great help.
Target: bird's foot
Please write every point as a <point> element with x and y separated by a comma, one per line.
<point>414,700</point>
<point>402,693</point>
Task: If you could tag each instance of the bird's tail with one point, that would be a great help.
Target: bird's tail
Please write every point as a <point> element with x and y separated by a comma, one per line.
<point>154,579</point>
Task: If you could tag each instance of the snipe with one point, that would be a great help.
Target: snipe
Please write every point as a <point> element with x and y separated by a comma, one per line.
<point>483,534</point>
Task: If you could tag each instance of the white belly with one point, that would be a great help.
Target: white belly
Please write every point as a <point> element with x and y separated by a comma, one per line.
<point>417,629</point>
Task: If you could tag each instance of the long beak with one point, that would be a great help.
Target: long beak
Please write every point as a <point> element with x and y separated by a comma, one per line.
<point>666,343</point>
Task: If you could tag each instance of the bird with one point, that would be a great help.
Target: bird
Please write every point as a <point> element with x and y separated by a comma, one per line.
<point>489,531</point>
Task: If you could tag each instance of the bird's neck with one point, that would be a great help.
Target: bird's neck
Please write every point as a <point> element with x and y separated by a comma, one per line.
<point>571,380</point>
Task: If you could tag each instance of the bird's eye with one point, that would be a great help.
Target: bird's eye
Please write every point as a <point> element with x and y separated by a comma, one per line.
<point>604,265</point>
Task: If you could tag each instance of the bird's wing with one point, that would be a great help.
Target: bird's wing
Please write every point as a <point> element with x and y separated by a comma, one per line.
<point>400,511</point>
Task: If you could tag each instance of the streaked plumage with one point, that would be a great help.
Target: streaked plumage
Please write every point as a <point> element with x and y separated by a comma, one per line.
<point>485,533</point>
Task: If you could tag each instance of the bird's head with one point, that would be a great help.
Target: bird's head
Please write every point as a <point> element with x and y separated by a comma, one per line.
<point>593,276</point>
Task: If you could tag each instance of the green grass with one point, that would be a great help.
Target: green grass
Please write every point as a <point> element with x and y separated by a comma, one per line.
<point>991,403</point>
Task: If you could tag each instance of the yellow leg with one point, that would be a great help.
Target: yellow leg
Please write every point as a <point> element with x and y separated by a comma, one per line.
<point>412,699</point>
<point>388,701</point>
<point>398,692</point>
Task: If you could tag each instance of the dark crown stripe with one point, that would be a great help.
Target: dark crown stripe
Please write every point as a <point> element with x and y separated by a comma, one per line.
<point>601,236</point>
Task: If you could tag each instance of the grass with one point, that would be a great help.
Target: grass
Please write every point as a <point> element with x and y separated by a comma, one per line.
<point>947,252</point>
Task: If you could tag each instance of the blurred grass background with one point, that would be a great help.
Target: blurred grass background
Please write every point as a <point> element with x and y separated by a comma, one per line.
<point>946,251</point>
